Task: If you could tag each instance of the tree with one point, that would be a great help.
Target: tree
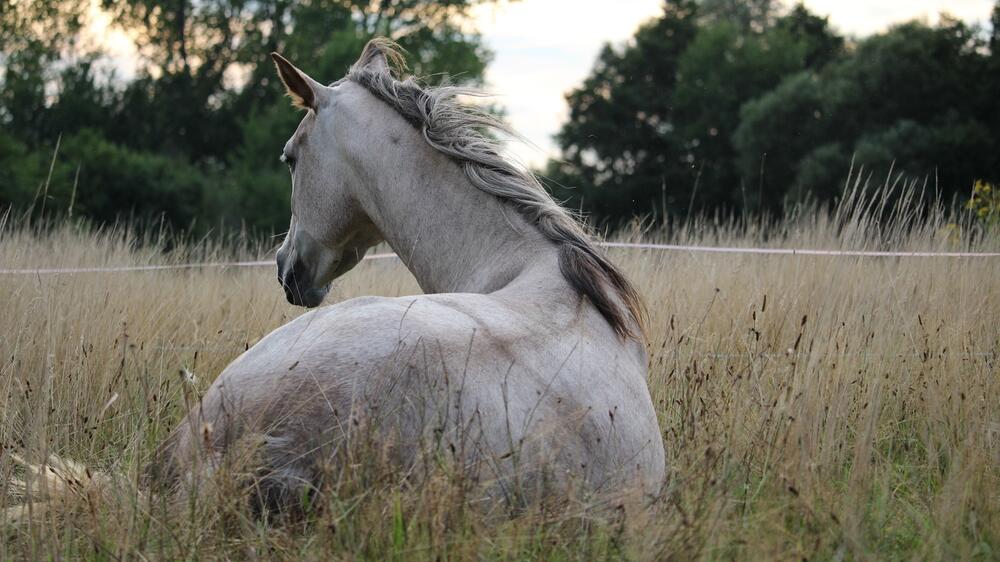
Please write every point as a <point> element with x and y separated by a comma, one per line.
<point>205,97</point>
<point>722,69</point>
<point>46,28</point>
<point>908,100</point>
<point>821,44</point>
<point>618,147</point>
<point>755,109</point>
<point>651,129</point>
<point>991,83</point>
<point>746,15</point>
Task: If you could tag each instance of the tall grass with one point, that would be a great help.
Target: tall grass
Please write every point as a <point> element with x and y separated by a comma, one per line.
<point>812,407</point>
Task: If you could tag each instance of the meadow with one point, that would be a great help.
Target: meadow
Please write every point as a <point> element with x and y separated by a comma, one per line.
<point>812,407</point>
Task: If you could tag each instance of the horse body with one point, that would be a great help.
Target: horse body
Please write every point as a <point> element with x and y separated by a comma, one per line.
<point>503,363</point>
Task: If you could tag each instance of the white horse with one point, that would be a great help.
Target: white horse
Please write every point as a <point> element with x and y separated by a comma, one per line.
<point>525,359</point>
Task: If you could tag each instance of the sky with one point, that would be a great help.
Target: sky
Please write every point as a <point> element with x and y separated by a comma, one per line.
<point>544,48</point>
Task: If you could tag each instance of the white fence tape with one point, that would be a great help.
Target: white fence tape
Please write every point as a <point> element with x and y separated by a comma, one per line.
<point>640,246</point>
<point>801,252</point>
<point>122,268</point>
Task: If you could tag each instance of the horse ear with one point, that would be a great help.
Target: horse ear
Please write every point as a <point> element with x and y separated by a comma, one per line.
<point>382,55</point>
<point>377,62</point>
<point>303,90</point>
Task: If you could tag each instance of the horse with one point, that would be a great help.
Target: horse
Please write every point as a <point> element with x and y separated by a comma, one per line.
<point>524,359</point>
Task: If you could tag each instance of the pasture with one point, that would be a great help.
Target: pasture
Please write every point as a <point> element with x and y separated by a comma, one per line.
<point>812,407</point>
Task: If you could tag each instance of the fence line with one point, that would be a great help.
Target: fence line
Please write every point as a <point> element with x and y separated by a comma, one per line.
<point>631,245</point>
<point>800,252</point>
<point>124,268</point>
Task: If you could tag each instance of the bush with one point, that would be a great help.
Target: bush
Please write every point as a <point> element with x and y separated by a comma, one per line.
<point>104,181</point>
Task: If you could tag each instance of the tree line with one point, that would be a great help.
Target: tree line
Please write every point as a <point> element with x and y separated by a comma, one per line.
<point>716,105</point>
<point>193,139</point>
<point>742,106</point>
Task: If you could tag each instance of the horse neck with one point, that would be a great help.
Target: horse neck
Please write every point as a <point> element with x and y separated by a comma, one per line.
<point>451,236</point>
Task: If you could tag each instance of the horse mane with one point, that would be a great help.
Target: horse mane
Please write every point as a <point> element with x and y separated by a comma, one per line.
<point>462,132</point>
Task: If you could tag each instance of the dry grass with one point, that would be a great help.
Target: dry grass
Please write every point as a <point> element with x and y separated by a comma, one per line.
<point>812,407</point>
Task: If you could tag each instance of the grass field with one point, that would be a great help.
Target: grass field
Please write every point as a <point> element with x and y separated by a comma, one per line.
<point>812,407</point>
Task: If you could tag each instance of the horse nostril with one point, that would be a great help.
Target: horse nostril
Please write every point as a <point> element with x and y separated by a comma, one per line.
<point>292,279</point>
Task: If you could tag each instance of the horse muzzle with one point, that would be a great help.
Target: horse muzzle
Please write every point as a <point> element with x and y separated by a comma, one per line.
<point>296,281</point>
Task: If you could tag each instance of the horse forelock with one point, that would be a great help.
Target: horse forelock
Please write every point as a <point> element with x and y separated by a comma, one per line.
<point>461,132</point>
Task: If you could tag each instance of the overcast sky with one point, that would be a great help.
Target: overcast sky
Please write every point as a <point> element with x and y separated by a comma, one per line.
<point>544,48</point>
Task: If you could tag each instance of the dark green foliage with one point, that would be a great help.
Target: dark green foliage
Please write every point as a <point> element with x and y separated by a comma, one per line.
<point>909,100</point>
<point>749,109</point>
<point>167,188</point>
<point>20,170</point>
<point>719,71</point>
<point>195,137</point>
<point>106,181</point>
